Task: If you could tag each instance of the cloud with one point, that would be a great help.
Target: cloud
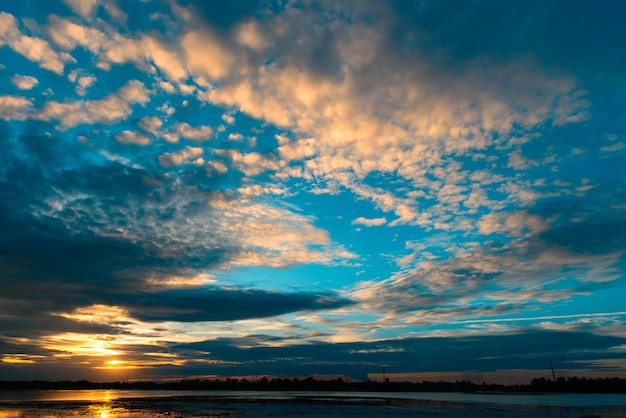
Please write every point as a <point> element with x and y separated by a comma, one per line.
<point>249,34</point>
<point>84,8</point>
<point>251,163</point>
<point>618,146</point>
<point>145,51</point>
<point>513,224</point>
<point>105,232</point>
<point>350,122</point>
<point>406,131</point>
<point>108,110</point>
<point>228,118</point>
<point>529,349</point>
<point>294,240</point>
<point>545,262</point>
<point>132,138</point>
<point>205,55</point>
<point>15,107</point>
<point>369,222</point>
<point>34,49</point>
<point>166,58</point>
<point>84,82</point>
<point>24,82</point>
<point>69,35</point>
<point>226,304</point>
<point>151,124</point>
<point>452,139</point>
<point>183,156</point>
<point>199,133</point>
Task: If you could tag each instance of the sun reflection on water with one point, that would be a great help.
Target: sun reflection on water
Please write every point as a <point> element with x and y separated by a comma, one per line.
<point>10,414</point>
<point>102,411</point>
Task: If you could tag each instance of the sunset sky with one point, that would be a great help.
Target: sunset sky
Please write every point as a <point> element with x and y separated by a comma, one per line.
<point>329,188</point>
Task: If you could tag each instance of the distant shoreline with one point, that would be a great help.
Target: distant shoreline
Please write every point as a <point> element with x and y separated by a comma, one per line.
<point>538,385</point>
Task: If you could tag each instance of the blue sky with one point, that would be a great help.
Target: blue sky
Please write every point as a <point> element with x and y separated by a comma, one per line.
<point>326,188</point>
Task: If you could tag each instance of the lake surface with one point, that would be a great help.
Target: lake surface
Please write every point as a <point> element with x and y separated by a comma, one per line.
<point>191,404</point>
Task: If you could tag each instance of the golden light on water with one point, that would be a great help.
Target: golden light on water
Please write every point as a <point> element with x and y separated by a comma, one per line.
<point>10,414</point>
<point>102,411</point>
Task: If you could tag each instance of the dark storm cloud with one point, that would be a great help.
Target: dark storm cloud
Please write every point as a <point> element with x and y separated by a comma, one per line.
<point>593,223</point>
<point>562,34</point>
<point>526,350</point>
<point>61,249</point>
<point>224,15</point>
<point>224,304</point>
<point>599,236</point>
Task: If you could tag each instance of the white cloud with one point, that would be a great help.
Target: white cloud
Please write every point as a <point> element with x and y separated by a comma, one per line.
<point>167,87</point>
<point>34,49</point>
<point>199,133</point>
<point>146,52</point>
<point>24,82</point>
<point>181,157</point>
<point>405,116</point>
<point>113,108</point>
<point>205,55</point>
<point>150,124</point>
<point>228,118</point>
<point>15,108</point>
<point>512,224</point>
<point>216,166</point>
<point>251,163</point>
<point>618,146</point>
<point>250,35</point>
<point>84,82</point>
<point>369,222</point>
<point>132,138</point>
<point>186,89</point>
<point>488,281</point>
<point>293,241</point>
<point>167,109</point>
<point>69,35</point>
<point>164,57</point>
<point>84,8</point>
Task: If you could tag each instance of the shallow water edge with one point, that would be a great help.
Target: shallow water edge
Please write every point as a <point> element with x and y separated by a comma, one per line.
<point>192,404</point>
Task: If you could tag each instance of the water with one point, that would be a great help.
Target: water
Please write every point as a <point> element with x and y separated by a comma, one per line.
<point>191,404</point>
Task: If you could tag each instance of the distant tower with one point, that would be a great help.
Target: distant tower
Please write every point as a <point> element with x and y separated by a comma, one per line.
<point>553,374</point>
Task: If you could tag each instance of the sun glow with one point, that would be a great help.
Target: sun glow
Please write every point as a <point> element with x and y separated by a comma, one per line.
<point>20,358</point>
<point>96,345</point>
<point>99,314</point>
<point>116,365</point>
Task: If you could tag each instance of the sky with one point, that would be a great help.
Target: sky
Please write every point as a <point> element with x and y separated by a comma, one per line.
<point>435,190</point>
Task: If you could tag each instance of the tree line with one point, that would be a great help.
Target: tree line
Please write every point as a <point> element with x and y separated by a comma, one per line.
<point>537,385</point>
